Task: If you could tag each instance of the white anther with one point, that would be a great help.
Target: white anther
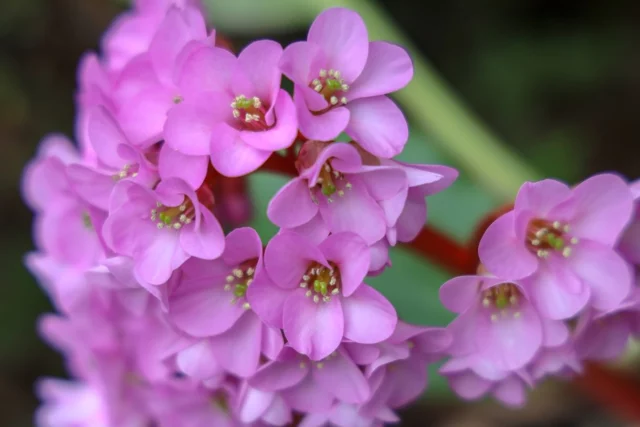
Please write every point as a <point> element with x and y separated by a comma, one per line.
<point>248,118</point>
<point>182,208</point>
<point>183,218</point>
<point>234,105</point>
<point>315,82</point>
<point>517,315</point>
<point>574,240</point>
<point>348,185</point>
<point>326,298</point>
<point>535,242</point>
<point>494,318</point>
<point>336,74</point>
<point>133,175</point>
<point>177,225</point>
<point>227,287</point>
<point>246,306</point>
<point>345,87</point>
<point>332,72</point>
<point>256,102</point>
<point>306,278</point>
<point>333,281</point>
<point>541,232</point>
<point>230,278</point>
<point>238,273</point>
<point>158,204</point>
<point>566,228</point>
<point>304,284</point>
<point>333,100</point>
<point>329,200</point>
<point>343,100</point>
<point>566,252</point>
<point>319,365</point>
<point>542,253</point>
<point>327,168</point>
<point>249,282</point>
<point>336,174</point>
<point>323,73</point>
<point>303,365</point>
<point>256,118</point>
<point>335,291</point>
<point>316,298</point>
<point>486,302</point>
<point>236,113</point>
<point>187,221</point>
<point>513,299</point>
<point>308,293</point>
<point>340,193</point>
<point>556,224</point>
<point>250,271</point>
<point>160,225</point>
<point>317,88</point>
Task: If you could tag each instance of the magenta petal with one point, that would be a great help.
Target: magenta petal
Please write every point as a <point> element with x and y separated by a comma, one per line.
<point>462,292</point>
<point>275,376</point>
<point>308,396</point>
<point>323,127</point>
<point>501,252</point>
<point>284,131</point>
<point>313,329</point>
<point>267,300</point>
<point>253,404</point>
<point>557,293</point>
<point>242,244</point>
<point>198,361</point>
<point>469,385</point>
<point>412,218</point>
<point>369,317</point>
<point>604,205</point>
<point>315,230</point>
<point>93,186</point>
<point>292,205</point>
<point>238,349</point>
<point>343,37</point>
<point>105,136</point>
<point>158,260</point>
<point>352,256</point>
<point>207,69</point>
<point>341,377</point>
<point>555,332</point>
<point>301,61</point>
<point>272,342</point>
<point>231,156</point>
<point>189,124</point>
<point>202,308</point>
<point>378,125</point>
<point>382,182</point>
<point>287,258</point>
<point>511,391</point>
<point>207,241</point>
<point>409,380</point>
<point>259,61</point>
<point>143,117</point>
<point>541,196</point>
<point>388,69</point>
<point>604,271</point>
<point>174,164</point>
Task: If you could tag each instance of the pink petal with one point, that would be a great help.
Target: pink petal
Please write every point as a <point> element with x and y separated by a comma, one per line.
<point>254,403</point>
<point>198,361</point>
<point>287,258</point>
<point>557,293</point>
<point>352,256</point>
<point>316,230</point>
<point>238,349</point>
<point>158,260</point>
<point>301,62</point>
<point>231,156</point>
<point>462,292</point>
<point>189,124</point>
<point>259,60</point>
<point>274,376</point>
<point>242,244</point>
<point>292,205</point>
<point>313,329</point>
<point>203,308</point>
<point>383,182</point>
<point>541,196</point>
<point>142,118</point>
<point>341,377</point>
<point>511,391</point>
<point>267,300</point>
<point>469,385</point>
<point>105,136</point>
<point>604,271</point>
<point>272,342</point>
<point>285,128</point>
<point>308,396</point>
<point>409,380</point>
<point>322,127</point>
<point>93,186</point>
<point>207,69</point>
<point>412,218</point>
<point>369,317</point>
<point>604,205</point>
<point>356,212</point>
<point>502,253</point>
<point>343,37</point>
<point>555,332</point>
<point>378,125</point>
<point>206,242</point>
<point>388,69</point>
<point>174,164</point>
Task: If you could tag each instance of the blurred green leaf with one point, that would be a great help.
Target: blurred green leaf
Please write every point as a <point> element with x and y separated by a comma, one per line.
<point>251,16</point>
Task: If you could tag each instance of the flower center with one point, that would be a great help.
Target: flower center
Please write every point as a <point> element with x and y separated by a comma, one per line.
<point>502,300</point>
<point>321,282</point>
<point>239,281</point>
<point>249,112</point>
<point>332,87</point>
<point>544,236</point>
<point>127,171</point>
<point>331,182</point>
<point>86,220</point>
<point>173,216</point>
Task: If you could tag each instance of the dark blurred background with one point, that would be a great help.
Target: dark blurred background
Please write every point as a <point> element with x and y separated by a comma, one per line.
<point>559,81</point>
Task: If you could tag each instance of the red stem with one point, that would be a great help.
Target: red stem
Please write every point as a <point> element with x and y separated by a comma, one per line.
<point>442,250</point>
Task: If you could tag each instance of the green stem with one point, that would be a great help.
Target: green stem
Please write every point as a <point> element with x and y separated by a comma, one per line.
<point>433,107</point>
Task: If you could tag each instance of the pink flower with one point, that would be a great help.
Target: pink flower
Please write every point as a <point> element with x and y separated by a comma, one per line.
<point>71,404</point>
<point>313,386</point>
<point>497,322</point>
<point>348,415</point>
<point>340,81</point>
<point>564,239</point>
<point>116,160</point>
<point>210,304</point>
<point>336,192</point>
<point>160,229</point>
<point>65,226</point>
<point>561,361</point>
<point>629,245</point>
<point>240,116</point>
<point>315,293</point>
<point>254,405</point>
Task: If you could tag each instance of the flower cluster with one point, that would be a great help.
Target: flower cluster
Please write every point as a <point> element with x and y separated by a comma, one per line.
<point>170,314</point>
<point>557,285</point>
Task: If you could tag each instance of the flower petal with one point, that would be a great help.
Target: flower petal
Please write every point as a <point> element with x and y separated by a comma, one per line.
<point>556,292</point>
<point>313,329</point>
<point>105,136</point>
<point>341,377</point>
<point>541,196</point>
<point>287,258</point>
<point>198,361</point>
<point>462,292</point>
<point>388,68</point>
<point>207,241</point>
<point>284,130</point>
<point>378,125</point>
<point>275,376</point>
<point>352,256</point>
<point>292,205</point>
<point>190,124</point>
<point>231,156</point>
<point>308,396</point>
<point>174,164</point>
<point>368,316</point>
<point>259,61</point>
<point>238,349</point>
<point>324,126</point>
<point>267,299</point>
<point>301,61</point>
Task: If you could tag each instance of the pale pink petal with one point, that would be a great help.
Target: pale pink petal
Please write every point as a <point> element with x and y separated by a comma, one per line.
<point>190,124</point>
<point>292,205</point>
<point>231,156</point>
<point>368,316</point>
<point>502,253</point>
<point>388,69</point>
<point>462,292</point>
<point>322,127</point>
<point>105,136</point>
<point>174,164</point>
<point>163,255</point>
<point>313,329</point>
<point>383,182</point>
<point>343,38</point>
<point>254,404</point>
<point>341,377</point>
<point>412,218</point>
<point>238,349</point>
<point>287,258</point>
<point>207,69</point>
<point>351,255</point>
<point>378,125</point>
<point>198,361</point>
<point>555,332</point>
<point>242,244</point>
<point>301,62</point>
<point>267,300</point>
<point>207,241</point>
<point>142,118</point>
<point>274,376</point>
<point>541,196</point>
<point>259,61</point>
<point>272,342</point>
<point>557,293</point>
<point>511,391</point>
<point>469,385</point>
<point>91,185</point>
<point>284,130</point>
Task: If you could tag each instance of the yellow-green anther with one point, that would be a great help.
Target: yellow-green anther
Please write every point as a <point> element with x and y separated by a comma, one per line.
<point>164,218</point>
<point>240,290</point>
<point>501,301</point>
<point>243,103</point>
<point>328,188</point>
<point>86,220</point>
<point>333,84</point>
<point>320,287</point>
